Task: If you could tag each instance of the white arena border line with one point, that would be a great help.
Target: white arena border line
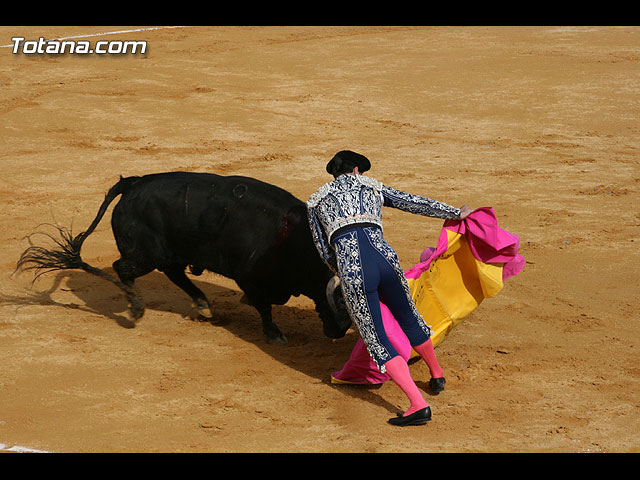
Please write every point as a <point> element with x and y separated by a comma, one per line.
<point>111,33</point>
<point>17,449</point>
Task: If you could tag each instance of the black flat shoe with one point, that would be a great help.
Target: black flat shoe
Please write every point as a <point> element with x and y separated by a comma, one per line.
<point>417,418</point>
<point>437,384</point>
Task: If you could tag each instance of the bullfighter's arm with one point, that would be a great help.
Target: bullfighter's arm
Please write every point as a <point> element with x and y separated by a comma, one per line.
<point>321,241</point>
<point>418,204</point>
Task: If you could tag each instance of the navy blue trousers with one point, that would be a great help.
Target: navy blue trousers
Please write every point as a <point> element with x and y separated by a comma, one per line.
<point>370,272</point>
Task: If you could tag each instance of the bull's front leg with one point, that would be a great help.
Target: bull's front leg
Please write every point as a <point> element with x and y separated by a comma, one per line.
<point>270,329</point>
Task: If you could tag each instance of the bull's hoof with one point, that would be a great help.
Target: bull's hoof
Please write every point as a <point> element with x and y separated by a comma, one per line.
<point>277,340</point>
<point>136,310</point>
<point>204,315</point>
<point>205,312</point>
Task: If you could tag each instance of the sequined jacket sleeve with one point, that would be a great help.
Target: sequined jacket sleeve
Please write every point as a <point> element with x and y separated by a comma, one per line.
<point>321,241</point>
<point>418,204</point>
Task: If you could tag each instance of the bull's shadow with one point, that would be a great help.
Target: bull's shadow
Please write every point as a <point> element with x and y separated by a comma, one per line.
<point>302,327</point>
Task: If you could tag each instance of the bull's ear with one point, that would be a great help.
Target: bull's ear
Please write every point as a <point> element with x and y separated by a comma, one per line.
<point>332,284</point>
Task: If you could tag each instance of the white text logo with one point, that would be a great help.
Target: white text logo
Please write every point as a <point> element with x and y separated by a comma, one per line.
<point>81,47</point>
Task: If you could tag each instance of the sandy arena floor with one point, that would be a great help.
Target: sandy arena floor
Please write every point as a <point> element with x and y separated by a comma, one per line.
<point>540,123</point>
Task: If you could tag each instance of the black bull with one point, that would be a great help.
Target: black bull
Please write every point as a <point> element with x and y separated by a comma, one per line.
<point>252,232</point>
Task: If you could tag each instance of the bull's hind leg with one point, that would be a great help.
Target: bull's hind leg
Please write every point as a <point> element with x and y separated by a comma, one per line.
<point>128,271</point>
<point>200,302</point>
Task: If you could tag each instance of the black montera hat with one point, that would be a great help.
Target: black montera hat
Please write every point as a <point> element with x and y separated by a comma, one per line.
<point>345,161</point>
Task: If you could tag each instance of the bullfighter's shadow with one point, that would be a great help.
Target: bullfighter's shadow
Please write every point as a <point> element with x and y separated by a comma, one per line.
<point>302,327</point>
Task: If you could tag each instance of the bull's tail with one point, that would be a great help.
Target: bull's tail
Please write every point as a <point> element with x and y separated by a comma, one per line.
<point>66,254</point>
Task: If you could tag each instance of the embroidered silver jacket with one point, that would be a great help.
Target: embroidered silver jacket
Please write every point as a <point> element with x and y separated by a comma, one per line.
<point>351,199</point>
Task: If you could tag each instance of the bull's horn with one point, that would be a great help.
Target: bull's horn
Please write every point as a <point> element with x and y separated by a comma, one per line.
<point>332,284</point>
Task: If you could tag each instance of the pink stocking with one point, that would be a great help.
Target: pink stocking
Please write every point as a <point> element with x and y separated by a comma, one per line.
<point>429,356</point>
<point>399,372</point>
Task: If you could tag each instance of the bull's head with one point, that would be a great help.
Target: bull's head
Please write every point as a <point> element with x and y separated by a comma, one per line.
<point>335,320</point>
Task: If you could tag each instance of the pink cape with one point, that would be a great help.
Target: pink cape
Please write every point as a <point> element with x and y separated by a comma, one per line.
<point>491,246</point>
